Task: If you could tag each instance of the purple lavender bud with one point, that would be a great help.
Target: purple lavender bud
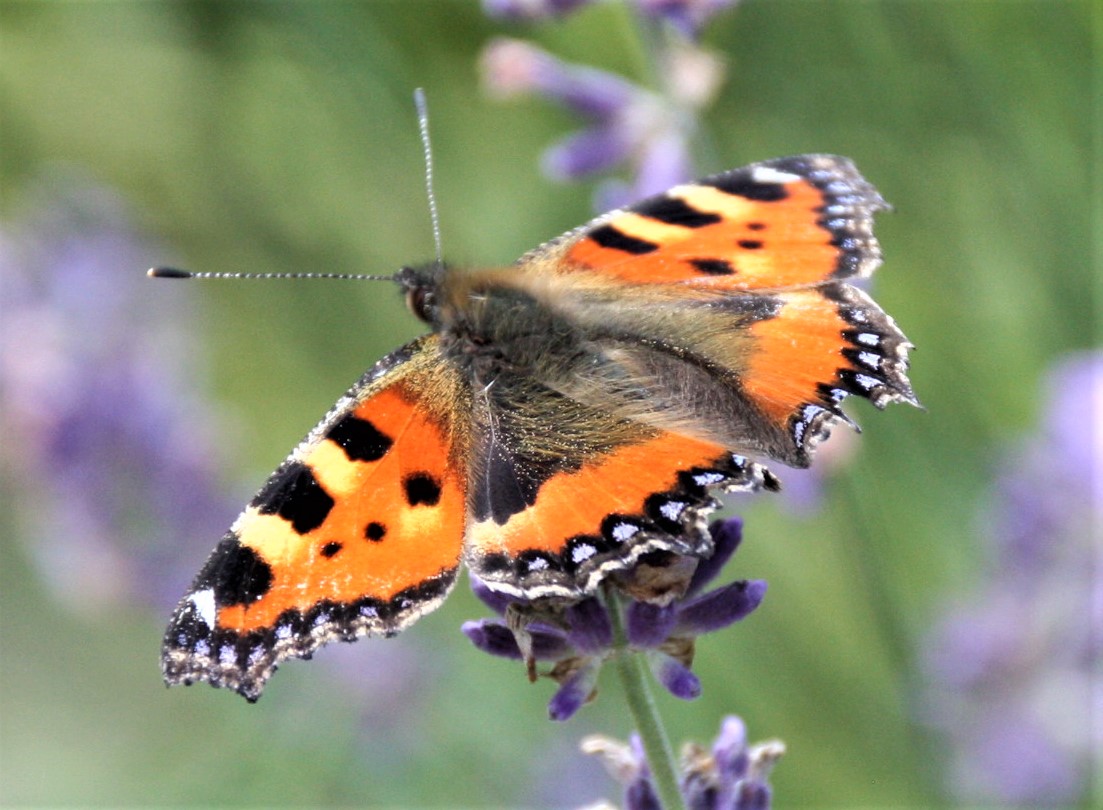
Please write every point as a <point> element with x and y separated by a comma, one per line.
<point>495,600</point>
<point>726,537</point>
<point>649,625</point>
<point>574,692</point>
<point>590,631</point>
<point>665,162</point>
<point>512,67</point>
<point>640,795</point>
<point>492,637</point>
<point>730,749</point>
<point>584,153</point>
<point>719,608</point>
<point>549,643</point>
<point>752,796</point>
<point>674,675</point>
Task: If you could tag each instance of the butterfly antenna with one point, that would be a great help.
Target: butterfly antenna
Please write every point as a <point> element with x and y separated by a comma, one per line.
<point>423,126</point>
<point>172,272</point>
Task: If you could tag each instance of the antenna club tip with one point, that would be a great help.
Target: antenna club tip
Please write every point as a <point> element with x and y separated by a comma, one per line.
<point>167,272</point>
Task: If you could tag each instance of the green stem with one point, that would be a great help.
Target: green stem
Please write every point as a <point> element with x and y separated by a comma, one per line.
<point>656,745</point>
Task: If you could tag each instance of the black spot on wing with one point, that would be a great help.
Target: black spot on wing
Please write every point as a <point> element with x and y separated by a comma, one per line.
<point>674,211</point>
<point>741,184</point>
<point>421,489</point>
<point>331,549</point>
<point>503,491</point>
<point>295,495</point>
<point>375,531</point>
<point>610,237</point>
<point>360,439</point>
<point>236,573</point>
<point>750,244</point>
<point>713,267</point>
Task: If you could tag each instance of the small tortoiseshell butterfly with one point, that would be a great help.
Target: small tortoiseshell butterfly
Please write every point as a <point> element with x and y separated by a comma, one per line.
<point>565,416</point>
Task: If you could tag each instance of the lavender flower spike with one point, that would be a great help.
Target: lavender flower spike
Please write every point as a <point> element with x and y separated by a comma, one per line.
<point>100,416</point>
<point>1014,665</point>
<point>626,124</point>
<point>578,639</point>
<point>729,776</point>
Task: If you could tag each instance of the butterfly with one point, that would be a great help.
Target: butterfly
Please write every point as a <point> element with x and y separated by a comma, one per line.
<point>565,417</point>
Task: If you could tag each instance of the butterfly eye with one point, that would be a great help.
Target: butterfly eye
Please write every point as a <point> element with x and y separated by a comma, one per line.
<point>420,302</point>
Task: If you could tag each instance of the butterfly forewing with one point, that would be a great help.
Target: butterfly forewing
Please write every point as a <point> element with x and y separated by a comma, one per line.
<point>358,532</point>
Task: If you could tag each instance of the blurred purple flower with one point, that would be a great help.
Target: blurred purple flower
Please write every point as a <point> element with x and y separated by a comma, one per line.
<point>579,639</point>
<point>530,10</point>
<point>1012,665</point>
<point>729,776</point>
<point>627,124</point>
<point>105,436</point>
<point>687,17</point>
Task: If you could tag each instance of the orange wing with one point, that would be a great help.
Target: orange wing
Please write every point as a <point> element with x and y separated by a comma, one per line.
<point>358,533</point>
<point>778,224</point>
<point>745,276</point>
<point>562,494</point>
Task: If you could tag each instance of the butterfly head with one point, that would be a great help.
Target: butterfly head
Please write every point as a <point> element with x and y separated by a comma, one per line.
<point>422,288</point>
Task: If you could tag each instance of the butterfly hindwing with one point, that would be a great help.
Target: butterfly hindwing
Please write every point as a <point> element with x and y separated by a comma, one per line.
<point>358,533</point>
<point>823,345</point>
<point>558,504</point>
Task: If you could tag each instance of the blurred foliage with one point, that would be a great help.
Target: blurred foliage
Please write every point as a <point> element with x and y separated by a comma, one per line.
<point>280,136</point>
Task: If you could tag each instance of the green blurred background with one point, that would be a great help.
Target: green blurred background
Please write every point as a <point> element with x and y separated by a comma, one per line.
<point>281,137</point>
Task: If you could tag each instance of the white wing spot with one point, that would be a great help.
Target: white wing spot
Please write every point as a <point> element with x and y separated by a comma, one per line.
<point>226,655</point>
<point>867,382</point>
<point>869,359</point>
<point>798,432</point>
<point>708,478</point>
<point>764,174</point>
<point>672,510</point>
<point>582,552</point>
<point>203,601</point>
<point>624,531</point>
<point>868,339</point>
